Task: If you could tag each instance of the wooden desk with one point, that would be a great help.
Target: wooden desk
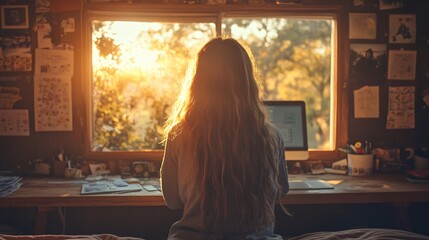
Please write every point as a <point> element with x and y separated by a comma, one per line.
<point>50,194</point>
<point>378,188</point>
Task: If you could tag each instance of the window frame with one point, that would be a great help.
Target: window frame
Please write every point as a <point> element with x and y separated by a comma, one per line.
<point>210,13</point>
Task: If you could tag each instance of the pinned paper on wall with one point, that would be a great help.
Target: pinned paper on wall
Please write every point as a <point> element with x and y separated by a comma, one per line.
<point>50,61</point>
<point>400,113</point>
<point>402,65</point>
<point>52,103</point>
<point>14,122</point>
<point>366,102</point>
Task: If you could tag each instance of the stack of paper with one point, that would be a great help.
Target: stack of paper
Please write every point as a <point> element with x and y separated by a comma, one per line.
<point>9,184</point>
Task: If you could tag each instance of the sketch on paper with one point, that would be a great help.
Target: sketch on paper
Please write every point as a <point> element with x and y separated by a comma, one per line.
<point>402,65</point>
<point>402,28</point>
<point>362,25</point>
<point>400,113</point>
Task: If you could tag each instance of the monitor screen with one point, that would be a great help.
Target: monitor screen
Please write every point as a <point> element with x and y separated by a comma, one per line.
<point>290,118</point>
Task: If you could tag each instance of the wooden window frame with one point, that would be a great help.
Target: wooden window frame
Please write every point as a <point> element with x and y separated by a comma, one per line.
<point>337,12</point>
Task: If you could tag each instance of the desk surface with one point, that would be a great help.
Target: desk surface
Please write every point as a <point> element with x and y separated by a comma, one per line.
<point>379,188</point>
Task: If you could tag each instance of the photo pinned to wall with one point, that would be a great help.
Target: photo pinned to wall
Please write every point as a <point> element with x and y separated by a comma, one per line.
<point>52,103</point>
<point>68,25</point>
<point>14,16</point>
<point>15,54</point>
<point>43,6</point>
<point>391,4</point>
<point>44,39</point>
<point>402,65</point>
<point>401,112</point>
<point>362,25</point>
<point>368,60</point>
<point>402,28</point>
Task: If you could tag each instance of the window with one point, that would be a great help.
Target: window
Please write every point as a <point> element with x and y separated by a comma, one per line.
<point>138,59</point>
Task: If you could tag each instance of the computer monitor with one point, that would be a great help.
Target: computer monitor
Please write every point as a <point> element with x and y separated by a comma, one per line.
<point>290,118</point>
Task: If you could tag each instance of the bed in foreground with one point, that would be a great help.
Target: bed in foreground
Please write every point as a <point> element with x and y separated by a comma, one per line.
<point>351,234</point>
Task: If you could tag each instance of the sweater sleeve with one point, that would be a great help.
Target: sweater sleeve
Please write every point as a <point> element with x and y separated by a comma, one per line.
<point>169,178</point>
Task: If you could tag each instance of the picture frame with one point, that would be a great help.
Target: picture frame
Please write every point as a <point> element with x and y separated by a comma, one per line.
<point>14,17</point>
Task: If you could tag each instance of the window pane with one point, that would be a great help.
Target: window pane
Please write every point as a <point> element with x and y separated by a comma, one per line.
<point>293,57</point>
<point>137,68</point>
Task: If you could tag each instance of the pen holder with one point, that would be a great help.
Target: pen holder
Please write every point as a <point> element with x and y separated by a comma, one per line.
<point>360,164</point>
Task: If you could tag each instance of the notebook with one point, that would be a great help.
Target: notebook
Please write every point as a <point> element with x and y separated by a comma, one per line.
<point>309,185</point>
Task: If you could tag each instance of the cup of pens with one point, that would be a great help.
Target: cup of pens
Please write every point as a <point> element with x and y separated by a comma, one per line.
<point>360,159</point>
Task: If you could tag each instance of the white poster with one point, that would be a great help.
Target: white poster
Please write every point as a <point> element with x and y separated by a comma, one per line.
<point>57,62</point>
<point>402,65</point>
<point>52,103</point>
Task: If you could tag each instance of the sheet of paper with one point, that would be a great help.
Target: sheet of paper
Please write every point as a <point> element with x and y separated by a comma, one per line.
<point>52,103</point>
<point>44,35</point>
<point>401,107</point>
<point>50,61</point>
<point>14,122</point>
<point>366,102</point>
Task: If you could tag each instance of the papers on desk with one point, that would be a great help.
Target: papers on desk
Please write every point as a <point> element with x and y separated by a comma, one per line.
<point>9,184</point>
<point>108,187</point>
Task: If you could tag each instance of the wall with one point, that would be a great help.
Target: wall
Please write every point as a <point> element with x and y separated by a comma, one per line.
<point>16,152</point>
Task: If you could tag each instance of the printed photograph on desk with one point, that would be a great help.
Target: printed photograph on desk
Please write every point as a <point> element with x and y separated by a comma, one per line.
<point>368,61</point>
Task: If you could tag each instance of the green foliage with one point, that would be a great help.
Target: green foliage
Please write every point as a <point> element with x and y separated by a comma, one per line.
<point>130,106</point>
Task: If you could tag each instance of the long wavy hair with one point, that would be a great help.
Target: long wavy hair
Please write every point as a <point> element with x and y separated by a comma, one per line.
<point>224,133</point>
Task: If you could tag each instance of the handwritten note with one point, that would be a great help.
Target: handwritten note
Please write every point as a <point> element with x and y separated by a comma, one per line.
<point>366,102</point>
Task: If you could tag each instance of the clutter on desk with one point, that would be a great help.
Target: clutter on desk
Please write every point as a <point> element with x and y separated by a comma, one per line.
<point>421,158</point>
<point>418,176</point>
<point>359,147</point>
<point>338,167</point>
<point>360,158</point>
<point>393,160</point>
